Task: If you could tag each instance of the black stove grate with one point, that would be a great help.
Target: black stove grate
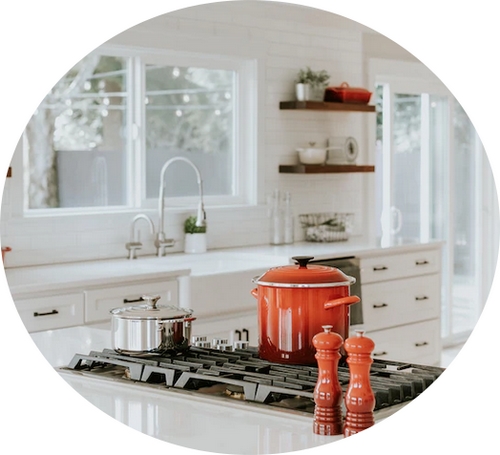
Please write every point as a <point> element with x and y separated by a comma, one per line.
<point>242,374</point>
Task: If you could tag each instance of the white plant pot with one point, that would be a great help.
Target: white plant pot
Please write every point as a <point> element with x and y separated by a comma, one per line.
<point>195,243</point>
<point>317,93</point>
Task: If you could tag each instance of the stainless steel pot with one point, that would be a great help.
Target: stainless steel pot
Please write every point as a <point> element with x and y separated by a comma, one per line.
<point>150,328</point>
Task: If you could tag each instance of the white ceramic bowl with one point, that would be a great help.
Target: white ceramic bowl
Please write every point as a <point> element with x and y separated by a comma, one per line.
<point>312,156</point>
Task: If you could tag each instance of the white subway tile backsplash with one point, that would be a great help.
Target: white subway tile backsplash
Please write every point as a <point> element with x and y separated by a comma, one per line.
<point>283,41</point>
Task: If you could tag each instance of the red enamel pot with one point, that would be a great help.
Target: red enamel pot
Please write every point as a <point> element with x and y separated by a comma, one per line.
<point>294,303</point>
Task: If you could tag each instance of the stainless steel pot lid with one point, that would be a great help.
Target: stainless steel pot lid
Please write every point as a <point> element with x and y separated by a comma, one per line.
<point>151,310</point>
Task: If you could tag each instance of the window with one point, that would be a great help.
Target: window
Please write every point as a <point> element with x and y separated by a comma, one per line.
<point>76,141</point>
<point>101,136</point>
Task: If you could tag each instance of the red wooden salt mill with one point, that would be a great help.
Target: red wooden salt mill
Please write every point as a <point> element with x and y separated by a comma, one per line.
<point>327,392</point>
<point>359,398</point>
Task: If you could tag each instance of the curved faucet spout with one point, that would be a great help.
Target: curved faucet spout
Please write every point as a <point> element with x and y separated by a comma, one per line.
<point>135,243</point>
<point>161,241</point>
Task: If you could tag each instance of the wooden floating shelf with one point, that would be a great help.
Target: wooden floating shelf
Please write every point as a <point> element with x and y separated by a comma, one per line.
<point>323,169</point>
<point>325,106</point>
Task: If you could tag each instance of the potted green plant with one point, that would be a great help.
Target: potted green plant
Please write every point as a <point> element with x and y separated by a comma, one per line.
<point>195,237</point>
<point>310,85</point>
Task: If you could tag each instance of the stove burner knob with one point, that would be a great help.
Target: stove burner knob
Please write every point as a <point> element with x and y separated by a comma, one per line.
<point>196,339</point>
<point>224,347</point>
<point>241,344</point>
<point>219,341</point>
<point>203,344</point>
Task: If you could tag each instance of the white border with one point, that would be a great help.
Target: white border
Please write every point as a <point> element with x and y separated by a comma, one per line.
<point>458,41</point>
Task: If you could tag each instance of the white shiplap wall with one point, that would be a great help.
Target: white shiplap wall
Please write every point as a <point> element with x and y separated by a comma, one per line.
<point>282,38</point>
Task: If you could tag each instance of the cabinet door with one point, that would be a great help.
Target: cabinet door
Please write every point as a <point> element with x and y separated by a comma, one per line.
<point>99,302</point>
<point>399,302</point>
<point>46,313</point>
<point>413,343</point>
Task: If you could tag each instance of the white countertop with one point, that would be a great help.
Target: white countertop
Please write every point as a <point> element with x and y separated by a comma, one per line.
<point>34,279</point>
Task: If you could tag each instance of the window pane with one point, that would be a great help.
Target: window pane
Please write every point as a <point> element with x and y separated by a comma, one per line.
<point>76,138</point>
<point>406,165</point>
<point>466,306</point>
<point>190,113</point>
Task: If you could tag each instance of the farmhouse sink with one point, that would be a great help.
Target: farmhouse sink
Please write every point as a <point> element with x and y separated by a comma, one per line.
<point>211,262</point>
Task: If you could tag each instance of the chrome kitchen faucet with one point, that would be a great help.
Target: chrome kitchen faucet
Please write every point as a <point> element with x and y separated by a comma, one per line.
<point>135,244</point>
<point>161,242</point>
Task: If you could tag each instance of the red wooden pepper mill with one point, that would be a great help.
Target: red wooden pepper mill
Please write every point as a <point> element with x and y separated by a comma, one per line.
<point>359,398</point>
<point>327,393</point>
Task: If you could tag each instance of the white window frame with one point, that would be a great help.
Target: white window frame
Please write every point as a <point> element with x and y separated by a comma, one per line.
<point>245,159</point>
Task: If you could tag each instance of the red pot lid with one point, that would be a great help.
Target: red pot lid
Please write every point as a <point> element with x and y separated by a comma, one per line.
<point>304,274</point>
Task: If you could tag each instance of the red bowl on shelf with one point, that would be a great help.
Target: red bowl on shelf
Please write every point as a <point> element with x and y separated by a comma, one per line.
<point>346,94</point>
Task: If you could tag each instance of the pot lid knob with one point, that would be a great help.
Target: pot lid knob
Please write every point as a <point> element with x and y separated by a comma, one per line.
<point>303,260</point>
<point>151,301</point>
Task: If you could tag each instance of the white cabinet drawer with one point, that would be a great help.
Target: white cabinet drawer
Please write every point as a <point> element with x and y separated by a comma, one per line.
<point>402,301</point>
<point>414,343</point>
<point>46,313</point>
<point>401,265</point>
<point>99,302</point>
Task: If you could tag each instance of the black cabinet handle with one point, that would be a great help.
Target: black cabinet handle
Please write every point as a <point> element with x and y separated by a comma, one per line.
<point>379,268</point>
<point>422,262</point>
<point>380,305</point>
<point>422,297</point>
<point>36,314</point>
<point>247,336</point>
<point>140,299</point>
<point>237,332</point>
<point>378,354</point>
<point>424,343</point>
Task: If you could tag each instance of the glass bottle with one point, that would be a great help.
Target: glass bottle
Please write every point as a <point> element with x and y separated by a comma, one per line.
<point>276,219</point>
<point>288,226</point>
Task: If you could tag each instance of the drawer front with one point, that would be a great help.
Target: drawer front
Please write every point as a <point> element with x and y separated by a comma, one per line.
<point>413,343</point>
<point>401,265</point>
<point>402,301</point>
<point>99,302</point>
<point>46,313</point>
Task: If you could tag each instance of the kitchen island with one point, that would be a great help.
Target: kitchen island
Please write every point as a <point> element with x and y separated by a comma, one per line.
<point>180,417</point>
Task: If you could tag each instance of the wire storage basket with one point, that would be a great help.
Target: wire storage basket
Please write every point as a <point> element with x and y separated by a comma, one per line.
<point>327,227</point>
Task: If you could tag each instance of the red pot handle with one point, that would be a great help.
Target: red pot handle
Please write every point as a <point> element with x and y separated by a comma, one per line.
<point>255,292</point>
<point>349,300</point>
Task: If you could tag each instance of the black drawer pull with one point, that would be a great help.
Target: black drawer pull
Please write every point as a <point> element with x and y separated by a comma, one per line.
<point>419,345</point>
<point>380,305</point>
<point>379,268</point>
<point>140,299</point>
<point>247,337</point>
<point>36,314</point>
<point>424,262</point>
<point>378,354</point>
<point>422,297</point>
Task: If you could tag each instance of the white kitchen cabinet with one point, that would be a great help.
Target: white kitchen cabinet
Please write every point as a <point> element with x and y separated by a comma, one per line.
<point>89,305</point>
<point>401,297</point>
<point>52,312</point>
<point>413,343</point>
<point>100,301</point>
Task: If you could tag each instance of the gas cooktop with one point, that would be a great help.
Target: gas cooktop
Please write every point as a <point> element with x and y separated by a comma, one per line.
<point>240,374</point>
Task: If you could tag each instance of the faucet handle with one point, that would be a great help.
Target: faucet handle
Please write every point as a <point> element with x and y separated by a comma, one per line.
<point>132,248</point>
